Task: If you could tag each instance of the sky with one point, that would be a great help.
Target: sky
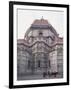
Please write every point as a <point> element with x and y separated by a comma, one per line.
<point>27,16</point>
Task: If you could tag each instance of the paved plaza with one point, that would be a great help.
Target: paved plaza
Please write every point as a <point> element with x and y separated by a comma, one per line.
<point>37,76</point>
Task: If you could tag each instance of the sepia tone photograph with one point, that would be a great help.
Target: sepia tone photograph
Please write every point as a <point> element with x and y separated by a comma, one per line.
<point>39,44</point>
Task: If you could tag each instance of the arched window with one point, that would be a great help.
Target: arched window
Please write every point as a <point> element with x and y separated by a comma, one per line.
<point>29,63</point>
<point>40,33</point>
<point>38,63</point>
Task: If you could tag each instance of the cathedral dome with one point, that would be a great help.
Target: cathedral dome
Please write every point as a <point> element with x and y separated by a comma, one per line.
<point>40,27</point>
<point>39,23</point>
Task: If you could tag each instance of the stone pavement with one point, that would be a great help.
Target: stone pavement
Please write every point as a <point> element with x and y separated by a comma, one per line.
<point>36,76</point>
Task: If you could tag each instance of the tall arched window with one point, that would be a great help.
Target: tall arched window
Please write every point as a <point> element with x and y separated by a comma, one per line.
<point>29,63</point>
<point>38,63</point>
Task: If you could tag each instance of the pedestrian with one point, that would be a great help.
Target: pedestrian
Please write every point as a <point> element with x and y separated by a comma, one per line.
<point>44,74</point>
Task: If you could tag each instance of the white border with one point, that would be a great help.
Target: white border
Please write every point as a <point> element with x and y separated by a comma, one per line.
<point>26,82</point>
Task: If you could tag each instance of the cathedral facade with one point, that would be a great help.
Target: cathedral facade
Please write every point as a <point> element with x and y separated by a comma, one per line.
<point>40,52</point>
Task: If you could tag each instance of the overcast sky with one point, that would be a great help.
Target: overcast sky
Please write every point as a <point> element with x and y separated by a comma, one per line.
<point>26,18</point>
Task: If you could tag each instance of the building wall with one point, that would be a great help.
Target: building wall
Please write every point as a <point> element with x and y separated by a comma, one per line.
<point>23,60</point>
<point>53,60</point>
<point>33,35</point>
<point>60,60</point>
<point>40,56</point>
